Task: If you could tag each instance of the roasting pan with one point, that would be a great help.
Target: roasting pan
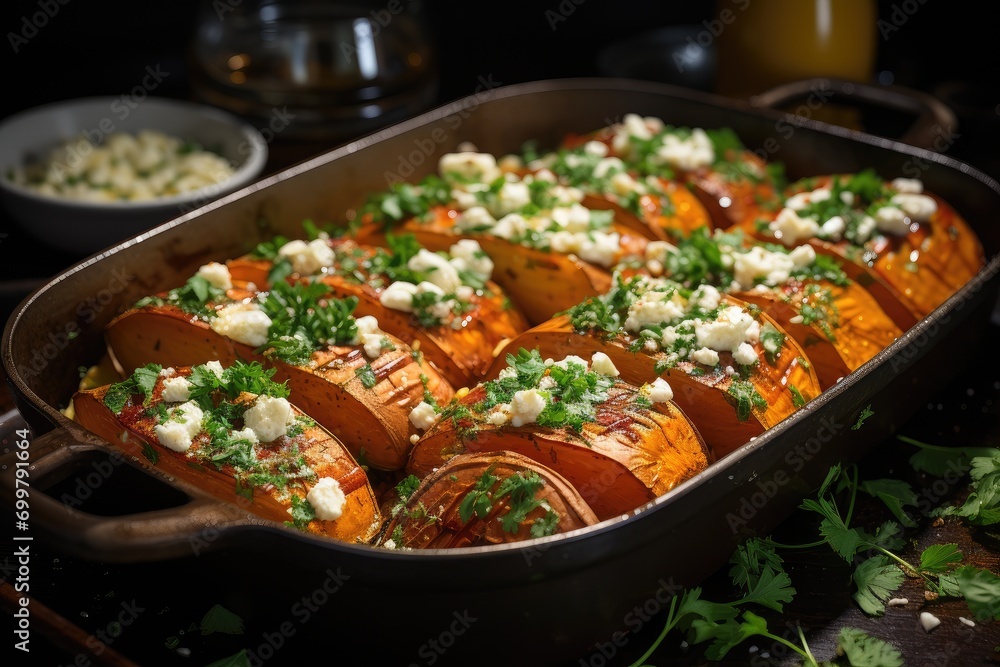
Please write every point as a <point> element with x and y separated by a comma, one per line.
<point>553,599</point>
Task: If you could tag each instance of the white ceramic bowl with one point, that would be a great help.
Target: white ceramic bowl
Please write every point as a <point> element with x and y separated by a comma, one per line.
<point>84,227</point>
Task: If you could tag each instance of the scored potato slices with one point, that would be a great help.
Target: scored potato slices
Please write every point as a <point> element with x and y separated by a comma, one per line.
<point>730,396</point>
<point>731,182</point>
<point>362,393</point>
<point>495,497</point>
<point>809,295</point>
<point>620,445</point>
<point>214,441</point>
<point>913,240</point>
<point>445,306</point>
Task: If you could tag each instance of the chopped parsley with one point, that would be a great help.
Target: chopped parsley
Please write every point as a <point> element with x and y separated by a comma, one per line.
<point>302,513</point>
<point>367,376</point>
<point>193,297</point>
<point>746,397</point>
<point>404,201</point>
<point>304,320</point>
<point>142,380</point>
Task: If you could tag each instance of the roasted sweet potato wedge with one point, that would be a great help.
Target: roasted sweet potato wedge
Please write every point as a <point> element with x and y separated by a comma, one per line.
<point>548,249</point>
<point>733,370</point>
<point>731,182</point>
<point>445,305</point>
<point>913,240</point>
<point>357,381</point>
<point>809,295</point>
<point>620,445</point>
<point>233,433</point>
<point>475,499</point>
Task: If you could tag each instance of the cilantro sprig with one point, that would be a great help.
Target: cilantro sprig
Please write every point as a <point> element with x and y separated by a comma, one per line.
<point>304,319</point>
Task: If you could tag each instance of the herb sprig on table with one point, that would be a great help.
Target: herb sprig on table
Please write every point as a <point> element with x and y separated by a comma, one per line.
<point>878,570</point>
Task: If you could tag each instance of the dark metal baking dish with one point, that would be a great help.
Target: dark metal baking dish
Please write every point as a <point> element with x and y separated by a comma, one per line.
<point>557,595</point>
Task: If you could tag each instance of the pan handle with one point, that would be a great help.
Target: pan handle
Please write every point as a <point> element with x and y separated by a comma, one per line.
<point>934,118</point>
<point>174,532</point>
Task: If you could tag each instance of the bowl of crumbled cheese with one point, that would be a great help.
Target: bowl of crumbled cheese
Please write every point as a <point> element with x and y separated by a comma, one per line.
<point>83,174</point>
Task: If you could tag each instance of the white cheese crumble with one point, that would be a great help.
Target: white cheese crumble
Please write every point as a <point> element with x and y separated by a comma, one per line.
<point>789,228</point>
<point>176,389</point>
<point>169,371</point>
<point>245,434</point>
<point>525,406</point>
<point>215,367</point>
<point>327,499</point>
<point>913,186</point>
<point>892,220</point>
<point>918,207</point>
<point>423,416</point>
<point>602,364</point>
<point>706,356</point>
<point>469,166</point>
<point>308,258</point>
<point>659,391</point>
<point>243,322</point>
<point>269,418</point>
<point>897,602</point>
<point>439,270</point>
<point>217,275</point>
<point>687,154</point>
<point>468,255</point>
<point>182,425</point>
<point>929,621</point>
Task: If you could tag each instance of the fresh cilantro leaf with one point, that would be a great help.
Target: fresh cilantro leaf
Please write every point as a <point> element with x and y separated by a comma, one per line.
<point>889,536</point>
<point>876,579</point>
<point>367,376</point>
<point>981,590</point>
<point>866,412</point>
<point>845,541</point>
<point>746,397</point>
<point>750,560</point>
<point>772,589</point>
<point>545,525</point>
<point>142,380</point>
<point>863,650</point>
<point>302,512</point>
<point>304,320</point>
<point>521,489</point>
<point>478,501</point>
<point>938,460</point>
<point>939,558</point>
<point>896,494</point>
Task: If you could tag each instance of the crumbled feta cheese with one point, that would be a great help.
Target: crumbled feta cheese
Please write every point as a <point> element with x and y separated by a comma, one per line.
<point>547,382</point>
<point>918,207</point>
<point>269,417</point>
<point>726,332</point>
<point>632,125</point>
<point>789,228</point>
<point>176,389</point>
<point>512,197</point>
<point>526,405</point>
<point>706,356</point>
<point>599,248</point>
<point>595,148</point>
<point>572,218</point>
<point>929,621</point>
<point>243,322</point>
<point>173,436</point>
<point>601,363</point>
<point>167,372</point>
<point>475,217</point>
<point>653,308</point>
<point>507,373</point>
<point>217,275</point>
<point>745,354</point>
<point>468,255</point>
<point>182,425</point>
<point>423,416</point>
<point>399,296</point>
<point>912,186</point>
<point>659,391</point>
<point>570,359</point>
<point>623,184</point>
<point>687,154</point>
<point>500,416</point>
<point>215,367</point>
<point>439,271</point>
<point>608,165</point>
<point>327,499</point>
<point>802,256</point>
<point>308,258</point>
<point>659,250</point>
<point>758,264</point>
<point>469,166</point>
<point>897,602</point>
<point>245,434</point>
<point>510,226</point>
<point>892,220</point>
<point>367,324</point>
<point>372,343</point>
<point>865,228</point>
<point>833,228</point>
<point>706,297</point>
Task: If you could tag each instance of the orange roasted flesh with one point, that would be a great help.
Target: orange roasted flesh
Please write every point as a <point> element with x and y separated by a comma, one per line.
<point>539,282</point>
<point>494,497</point>
<point>923,258</point>
<point>726,408</point>
<point>288,466</point>
<point>460,345</point>
<point>627,452</point>
<point>363,401</point>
